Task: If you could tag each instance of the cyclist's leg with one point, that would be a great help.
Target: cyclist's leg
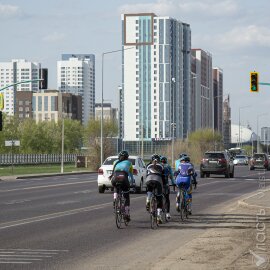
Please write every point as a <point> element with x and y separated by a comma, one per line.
<point>167,198</point>
<point>159,200</point>
<point>189,197</point>
<point>149,191</point>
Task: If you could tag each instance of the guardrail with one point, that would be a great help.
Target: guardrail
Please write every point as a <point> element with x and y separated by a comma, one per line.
<point>28,159</point>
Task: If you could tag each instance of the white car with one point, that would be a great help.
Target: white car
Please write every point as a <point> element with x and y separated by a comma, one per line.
<point>139,173</point>
<point>240,160</point>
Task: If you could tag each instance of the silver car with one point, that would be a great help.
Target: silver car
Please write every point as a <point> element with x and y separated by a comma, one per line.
<point>240,160</point>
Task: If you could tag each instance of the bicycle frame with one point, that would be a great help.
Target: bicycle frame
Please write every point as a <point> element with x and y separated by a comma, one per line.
<point>119,208</point>
<point>182,202</point>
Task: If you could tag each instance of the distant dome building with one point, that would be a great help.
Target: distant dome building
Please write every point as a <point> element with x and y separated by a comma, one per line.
<point>246,135</point>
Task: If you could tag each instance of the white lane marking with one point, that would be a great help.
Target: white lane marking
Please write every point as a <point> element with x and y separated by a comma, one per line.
<point>47,186</point>
<point>15,262</point>
<point>16,202</point>
<point>66,202</point>
<point>84,191</point>
<point>56,215</point>
<point>35,250</point>
<point>26,256</point>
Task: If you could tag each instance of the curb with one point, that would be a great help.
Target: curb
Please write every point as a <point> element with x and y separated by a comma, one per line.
<point>243,203</point>
<point>42,175</point>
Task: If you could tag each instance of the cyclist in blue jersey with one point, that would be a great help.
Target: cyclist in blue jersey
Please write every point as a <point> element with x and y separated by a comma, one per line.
<point>194,175</point>
<point>122,172</point>
<point>177,162</point>
<point>183,176</point>
<point>168,172</point>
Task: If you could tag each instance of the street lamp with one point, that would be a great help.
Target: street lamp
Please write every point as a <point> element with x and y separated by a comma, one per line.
<point>102,100</point>
<point>239,134</point>
<point>258,138</point>
<point>173,123</point>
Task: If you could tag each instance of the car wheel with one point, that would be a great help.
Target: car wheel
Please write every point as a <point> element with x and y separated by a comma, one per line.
<point>101,189</point>
<point>139,189</point>
<point>202,175</point>
<point>251,168</point>
<point>207,175</point>
<point>227,174</point>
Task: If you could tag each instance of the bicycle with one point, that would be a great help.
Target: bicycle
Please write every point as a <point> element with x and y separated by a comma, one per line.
<point>119,208</point>
<point>153,210</point>
<point>181,200</point>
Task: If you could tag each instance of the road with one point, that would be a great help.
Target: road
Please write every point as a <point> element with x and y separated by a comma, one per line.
<point>62,222</point>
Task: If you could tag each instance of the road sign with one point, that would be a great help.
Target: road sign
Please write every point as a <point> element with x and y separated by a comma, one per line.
<point>12,143</point>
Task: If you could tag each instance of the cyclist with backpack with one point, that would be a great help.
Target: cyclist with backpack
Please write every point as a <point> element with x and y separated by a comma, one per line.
<point>155,179</point>
<point>168,172</point>
<point>122,172</point>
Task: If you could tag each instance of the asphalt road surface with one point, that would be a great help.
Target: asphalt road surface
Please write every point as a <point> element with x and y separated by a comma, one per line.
<point>62,222</point>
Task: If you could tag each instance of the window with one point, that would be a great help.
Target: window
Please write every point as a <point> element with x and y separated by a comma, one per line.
<point>39,103</point>
<point>46,104</point>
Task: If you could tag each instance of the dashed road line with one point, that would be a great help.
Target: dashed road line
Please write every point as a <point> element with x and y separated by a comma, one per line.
<point>26,256</point>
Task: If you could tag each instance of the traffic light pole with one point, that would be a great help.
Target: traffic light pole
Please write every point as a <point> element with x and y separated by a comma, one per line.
<point>264,83</point>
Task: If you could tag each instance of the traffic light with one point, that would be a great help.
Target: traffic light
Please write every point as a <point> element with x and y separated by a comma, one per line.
<point>254,81</point>
<point>1,121</point>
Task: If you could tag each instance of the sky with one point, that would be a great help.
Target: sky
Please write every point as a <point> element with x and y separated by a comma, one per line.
<point>236,33</point>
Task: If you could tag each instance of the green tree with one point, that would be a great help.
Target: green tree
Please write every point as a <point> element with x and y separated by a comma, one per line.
<point>92,139</point>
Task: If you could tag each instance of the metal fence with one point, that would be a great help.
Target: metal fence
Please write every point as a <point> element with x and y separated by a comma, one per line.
<point>24,159</point>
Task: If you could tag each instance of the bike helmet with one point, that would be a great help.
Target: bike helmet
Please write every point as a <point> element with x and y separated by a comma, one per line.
<point>182,159</point>
<point>187,159</point>
<point>155,157</point>
<point>123,155</point>
<point>164,159</point>
<point>182,155</point>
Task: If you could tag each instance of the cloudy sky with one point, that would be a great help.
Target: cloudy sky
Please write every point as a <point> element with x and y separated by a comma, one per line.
<point>236,33</point>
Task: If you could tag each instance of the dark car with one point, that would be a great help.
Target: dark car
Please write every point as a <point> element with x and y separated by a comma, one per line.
<point>259,161</point>
<point>217,163</point>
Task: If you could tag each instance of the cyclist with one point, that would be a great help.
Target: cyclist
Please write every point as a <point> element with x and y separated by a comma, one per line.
<point>168,172</point>
<point>122,172</point>
<point>184,172</point>
<point>194,175</point>
<point>155,179</point>
<point>177,162</point>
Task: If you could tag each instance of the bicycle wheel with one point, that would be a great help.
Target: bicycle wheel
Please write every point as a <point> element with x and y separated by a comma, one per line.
<point>153,212</point>
<point>182,204</point>
<point>164,210</point>
<point>123,210</point>
<point>118,212</point>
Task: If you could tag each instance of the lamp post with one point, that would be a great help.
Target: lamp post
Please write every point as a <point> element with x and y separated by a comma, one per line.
<point>239,132</point>
<point>258,138</point>
<point>102,100</point>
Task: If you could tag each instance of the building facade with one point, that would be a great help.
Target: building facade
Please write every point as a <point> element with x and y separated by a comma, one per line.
<point>227,122</point>
<point>265,135</point>
<point>50,105</point>
<point>13,72</point>
<point>76,75</point>
<point>203,95</point>
<point>156,77</point>
<point>109,113</point>
<point>218,99</point>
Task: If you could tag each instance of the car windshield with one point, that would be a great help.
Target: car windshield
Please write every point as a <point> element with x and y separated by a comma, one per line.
<point>214,155</point>
<point>259,156</point>
<point>238,156</point>
<point>110,161</point>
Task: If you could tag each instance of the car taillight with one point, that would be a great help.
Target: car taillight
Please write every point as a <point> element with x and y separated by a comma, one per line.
<point>135,172</point>
<point>204,160</point>
<point>100,171</point>
<point>222,160</point>
<point>266,163</point>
